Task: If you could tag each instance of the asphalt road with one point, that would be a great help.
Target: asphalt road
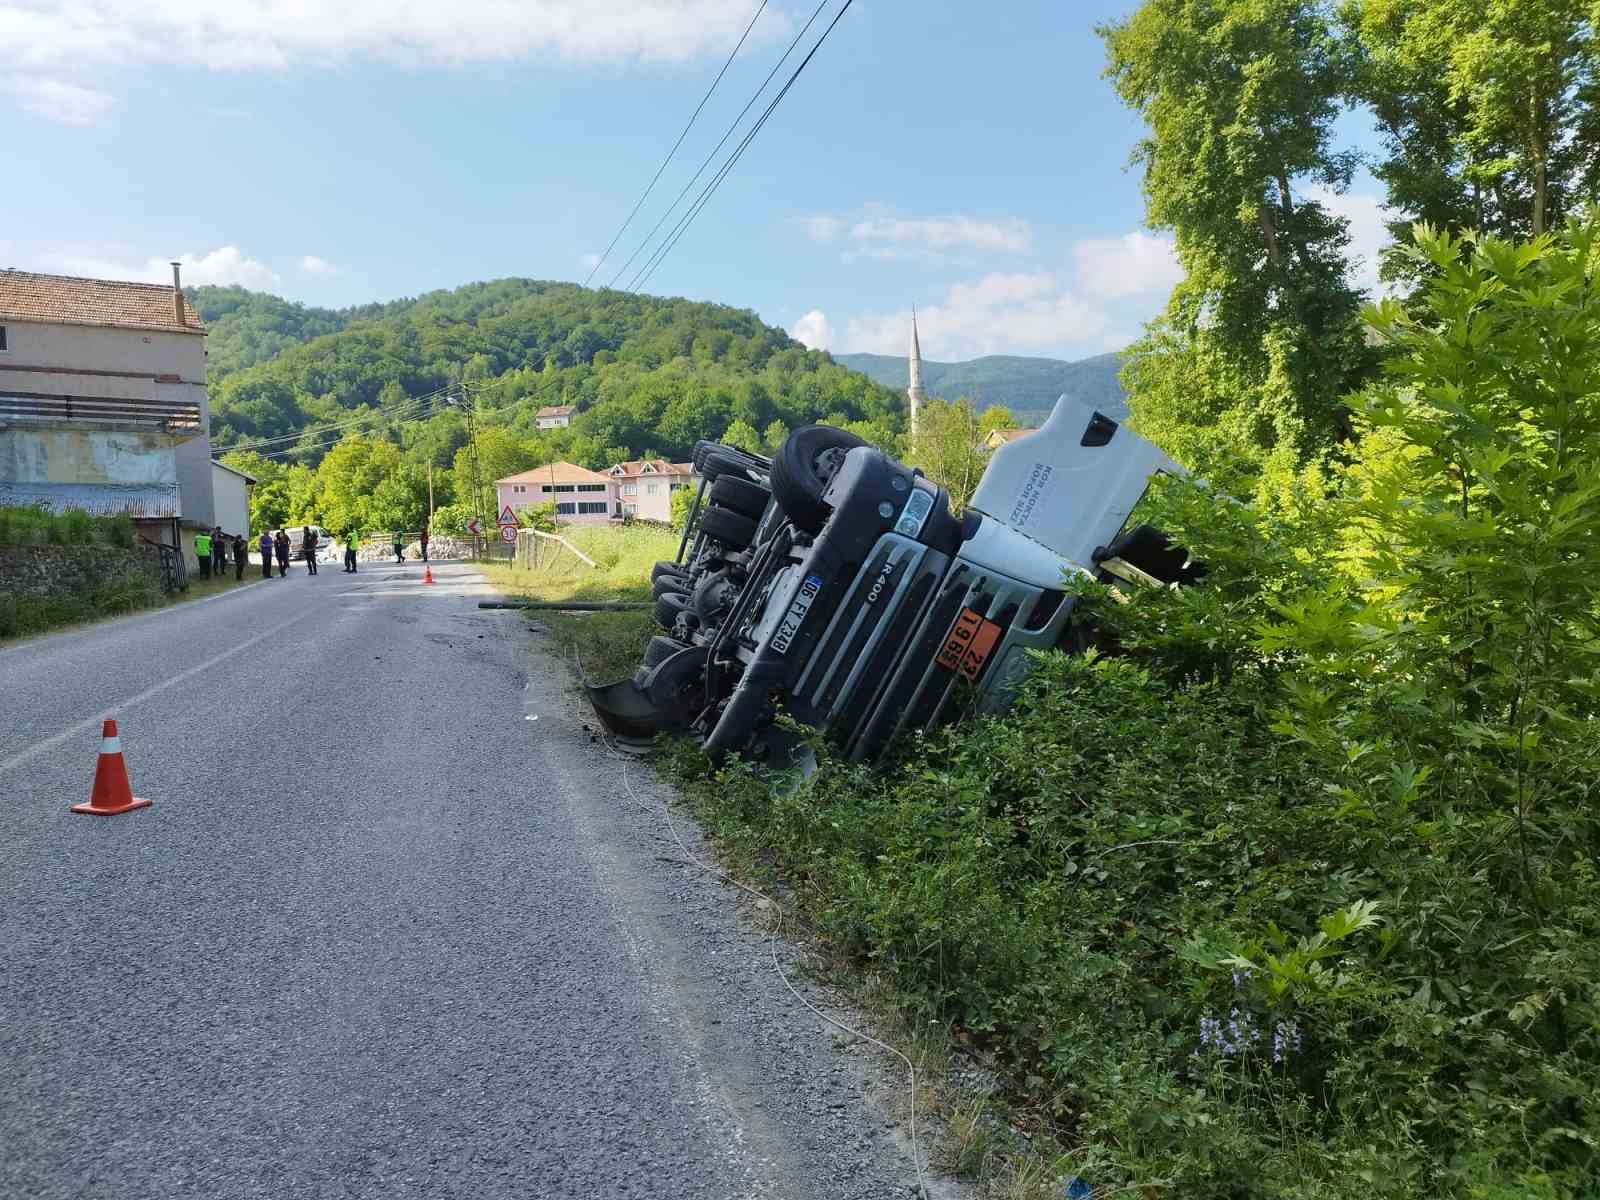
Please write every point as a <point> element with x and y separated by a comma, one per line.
<point>381,934</point>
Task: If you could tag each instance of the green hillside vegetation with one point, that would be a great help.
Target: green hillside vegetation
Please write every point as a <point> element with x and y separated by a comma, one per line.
<point>1029,387</point>
<point>649,377</point>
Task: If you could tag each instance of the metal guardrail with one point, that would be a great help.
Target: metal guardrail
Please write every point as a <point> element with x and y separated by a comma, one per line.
<point>174,571</point>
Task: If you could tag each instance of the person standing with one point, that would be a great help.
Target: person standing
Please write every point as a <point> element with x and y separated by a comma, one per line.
<point>423,538</point>
<point>350,540</point>
<point>202,552</point>
<point>219,552</point>
<point>265,546</point>
<point>308,549</point>
<point>241,554</point>
<point>280,544</point>
<point>399,546</point>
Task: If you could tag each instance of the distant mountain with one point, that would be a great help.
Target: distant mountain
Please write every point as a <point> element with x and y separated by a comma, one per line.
<point>1029,387</point>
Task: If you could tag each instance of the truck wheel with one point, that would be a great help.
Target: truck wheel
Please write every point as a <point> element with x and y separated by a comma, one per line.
<point>660,648</point>
<point>740,495</point>
<point>669,607</point>
<point>668,568</point>
<point>670,583</point>
<point>728,527</point>
<point>802,468</point>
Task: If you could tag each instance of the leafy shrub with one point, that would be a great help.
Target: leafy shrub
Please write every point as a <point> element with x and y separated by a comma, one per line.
<point>1295,894</point>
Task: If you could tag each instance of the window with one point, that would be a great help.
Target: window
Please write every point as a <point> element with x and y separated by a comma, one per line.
<point>565,509</point>
<point>629,510</point>
<point>652,488</point>
<point>630,489</point>
<point>2,339</point>
<point>559,487</point>
<point>518,489</point>
<point>591,506</point>
<point>592,487</point>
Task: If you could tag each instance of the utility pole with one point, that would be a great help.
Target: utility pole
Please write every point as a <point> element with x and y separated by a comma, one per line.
<point>472,443</point>
<point>430,494</point>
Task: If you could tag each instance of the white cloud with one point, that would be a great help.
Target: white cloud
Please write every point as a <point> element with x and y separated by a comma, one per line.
<point>1017,312</point>
<point>813,330</point>
<point>55,99</point>
<point>823,229</point>
<point>589,261</point>
<point>274,34</point>
<point>1368,233</point>
<point>310,264</point>
<point>881,234</point>
<point>1133,264</point>
<point>227,264</point>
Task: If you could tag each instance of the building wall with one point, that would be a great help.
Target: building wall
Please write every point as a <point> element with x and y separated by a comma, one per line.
<point>131,361</point>
<point>534,494</point>
<point>230,499</point>
<point>40,455</point>
<point>648,505</point>
<point>554,422</point>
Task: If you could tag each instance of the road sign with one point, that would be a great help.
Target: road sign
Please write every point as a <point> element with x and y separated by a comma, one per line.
<point>508,533</point>
<point>506,516</point>
<point>473,527</point>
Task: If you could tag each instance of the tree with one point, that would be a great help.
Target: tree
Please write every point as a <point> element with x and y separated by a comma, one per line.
<point>1260,342</point>
<point>500,453</point>
<point>355,486</point>
<point>949,448</point>
<point>744,437</point>
<point>1488,110</point>
<point>994,419</point>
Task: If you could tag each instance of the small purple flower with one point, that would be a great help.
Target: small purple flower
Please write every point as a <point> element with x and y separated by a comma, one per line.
<point>1285,1040</point>
<point>1241,976</point>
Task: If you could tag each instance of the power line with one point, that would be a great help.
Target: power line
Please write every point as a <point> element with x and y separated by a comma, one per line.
<point>398,411</point>
<point>640,203</point>
<point>715,150</point>
<point>688,218</point>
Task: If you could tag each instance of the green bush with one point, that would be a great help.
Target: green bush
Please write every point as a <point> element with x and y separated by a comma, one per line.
<point>1295,893</point>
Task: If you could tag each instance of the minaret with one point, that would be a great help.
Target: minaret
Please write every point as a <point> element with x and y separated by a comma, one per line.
<point>914,393</point>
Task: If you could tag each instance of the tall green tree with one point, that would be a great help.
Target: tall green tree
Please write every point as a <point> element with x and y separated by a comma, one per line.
<point>1260,342</point>
<point>1488,110</point>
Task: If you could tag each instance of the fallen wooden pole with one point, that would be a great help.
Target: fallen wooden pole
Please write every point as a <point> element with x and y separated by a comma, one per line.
<point>569,605</point>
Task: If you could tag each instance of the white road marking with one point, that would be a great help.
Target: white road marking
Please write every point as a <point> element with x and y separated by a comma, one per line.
<point>50,743</point>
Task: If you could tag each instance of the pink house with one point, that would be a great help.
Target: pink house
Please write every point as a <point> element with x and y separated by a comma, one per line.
<point>581,496</point>
<point>645,486</point>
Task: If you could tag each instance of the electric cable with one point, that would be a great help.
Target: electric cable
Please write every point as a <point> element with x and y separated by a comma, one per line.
<point>716,181</point>
<point>693,117</point>
<point>401,410</point>
<point>750,103</point>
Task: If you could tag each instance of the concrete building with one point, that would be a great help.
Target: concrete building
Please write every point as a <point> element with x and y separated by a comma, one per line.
<point>581,496</point>
<point>645,486</point>
<point>1003,437</point>
<point>555,416</point>
<point>230,498</point>
<point>103,401</point>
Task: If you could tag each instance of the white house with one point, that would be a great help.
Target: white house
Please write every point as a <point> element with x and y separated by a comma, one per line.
<point>555,416</point>
<point>103,401</point>
<point>230,498</point>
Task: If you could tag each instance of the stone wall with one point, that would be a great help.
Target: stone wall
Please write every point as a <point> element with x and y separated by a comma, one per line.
<point>43,571</point>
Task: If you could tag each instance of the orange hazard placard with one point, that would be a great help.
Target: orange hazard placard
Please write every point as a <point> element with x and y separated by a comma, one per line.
<point>971,640</point>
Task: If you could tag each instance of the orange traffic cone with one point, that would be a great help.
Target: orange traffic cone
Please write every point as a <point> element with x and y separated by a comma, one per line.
<point>427,574</point>
<point>111,793</point>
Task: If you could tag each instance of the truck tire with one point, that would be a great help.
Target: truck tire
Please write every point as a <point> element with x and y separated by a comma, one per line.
<point>740,495</point>
<point>668,568</point>
<point>801,470</point>
<point>660,648</point>
<point>670,583</point>
<point>730,528</point>
<point>669,607</point>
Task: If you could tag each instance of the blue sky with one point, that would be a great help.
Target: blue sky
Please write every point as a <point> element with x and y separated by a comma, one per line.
<point>966,158</point>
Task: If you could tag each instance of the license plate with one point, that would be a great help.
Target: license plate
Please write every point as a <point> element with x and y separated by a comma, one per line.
<point>972,639</point>
<point>792,620</point>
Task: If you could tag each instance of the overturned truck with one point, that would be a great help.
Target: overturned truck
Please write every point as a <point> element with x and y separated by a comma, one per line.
<point>834,583</point>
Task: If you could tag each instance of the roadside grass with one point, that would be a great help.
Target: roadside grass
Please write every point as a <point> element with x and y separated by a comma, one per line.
<point>608,644</point>
<point>30,616</point>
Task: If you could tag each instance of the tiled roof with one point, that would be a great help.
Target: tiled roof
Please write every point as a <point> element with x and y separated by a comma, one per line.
<point>561,472</point>
<point>658,466</point>
<point>1003,437</point>
<point>558,410</point>
<point>66,300</point>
